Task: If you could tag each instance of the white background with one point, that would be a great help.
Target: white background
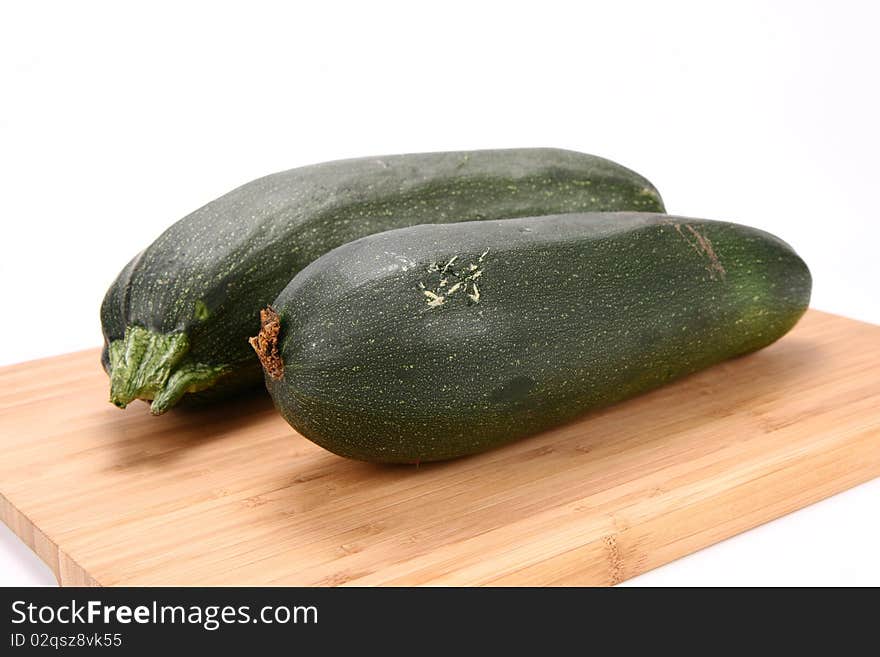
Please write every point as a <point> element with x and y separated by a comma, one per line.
<point>116,121</point>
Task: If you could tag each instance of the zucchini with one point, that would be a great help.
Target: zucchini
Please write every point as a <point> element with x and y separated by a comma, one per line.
<point>438,341</point>
<point>177,318</point>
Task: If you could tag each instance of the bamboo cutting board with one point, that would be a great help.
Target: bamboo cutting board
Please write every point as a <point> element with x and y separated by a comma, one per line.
<point>231,495</point>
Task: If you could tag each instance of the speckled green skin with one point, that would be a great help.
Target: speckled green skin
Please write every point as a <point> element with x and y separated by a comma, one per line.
<point>191,299</point>
<point>574,312</point>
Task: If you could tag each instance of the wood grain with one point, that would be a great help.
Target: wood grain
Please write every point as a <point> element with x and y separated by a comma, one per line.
<point>230,495</point>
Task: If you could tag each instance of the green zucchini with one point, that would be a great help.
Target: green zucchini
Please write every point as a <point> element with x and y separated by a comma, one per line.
<point>177,318</point>
<point>438,341</point>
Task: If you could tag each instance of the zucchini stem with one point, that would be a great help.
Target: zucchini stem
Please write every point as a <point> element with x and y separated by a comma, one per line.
<point>141,363</point>
<point>150,365</point>
<point>265,343</point>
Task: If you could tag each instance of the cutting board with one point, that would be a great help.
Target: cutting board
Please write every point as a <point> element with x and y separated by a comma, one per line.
<point>231,495</point>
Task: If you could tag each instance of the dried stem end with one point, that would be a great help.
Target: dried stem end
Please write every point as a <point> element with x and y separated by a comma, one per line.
<point>265,343</point>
